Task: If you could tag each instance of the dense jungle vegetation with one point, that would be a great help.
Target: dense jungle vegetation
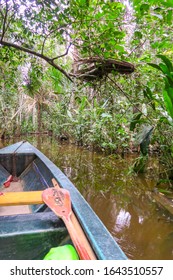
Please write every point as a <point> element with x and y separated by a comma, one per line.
<point>96,72</point>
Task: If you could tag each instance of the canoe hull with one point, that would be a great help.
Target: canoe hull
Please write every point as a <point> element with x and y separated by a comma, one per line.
<point>30,237</point>
<point>36,172</point>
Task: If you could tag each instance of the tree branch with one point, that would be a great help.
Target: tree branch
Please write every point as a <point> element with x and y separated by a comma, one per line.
<point>4,22</point>
<point>63,54</point>
<point>138,46</point>
<point>46,58</point>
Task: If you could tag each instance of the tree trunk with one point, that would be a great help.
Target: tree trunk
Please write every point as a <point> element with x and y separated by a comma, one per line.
<point>39,122</point>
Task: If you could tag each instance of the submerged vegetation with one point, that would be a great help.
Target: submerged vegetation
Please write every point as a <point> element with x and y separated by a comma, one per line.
<point>97,73</point>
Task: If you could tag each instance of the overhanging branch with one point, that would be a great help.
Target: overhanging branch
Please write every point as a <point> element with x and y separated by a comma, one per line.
<point>46,58</point>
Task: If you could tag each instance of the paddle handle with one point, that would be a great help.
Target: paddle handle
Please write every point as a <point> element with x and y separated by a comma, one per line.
<point>82,252</point>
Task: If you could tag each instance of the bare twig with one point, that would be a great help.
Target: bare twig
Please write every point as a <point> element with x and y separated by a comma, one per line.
<point>138,46</point>
<point>67,50</point>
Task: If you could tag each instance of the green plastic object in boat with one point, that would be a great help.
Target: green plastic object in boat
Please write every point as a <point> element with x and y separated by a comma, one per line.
<point>66,252</point>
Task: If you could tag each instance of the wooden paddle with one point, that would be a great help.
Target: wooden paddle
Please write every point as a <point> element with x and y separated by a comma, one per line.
<point>35,197</point>
<point>59,202</point>
<point>80,233</point>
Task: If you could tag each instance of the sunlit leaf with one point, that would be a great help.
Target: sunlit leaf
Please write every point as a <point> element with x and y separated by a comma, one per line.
<point>138,34</point>
<point>155,66</point>
<point>144,8</point>
<point>168,103</point>
<point>166,61</point>
<point>164,68</point>
<point>157,15</point>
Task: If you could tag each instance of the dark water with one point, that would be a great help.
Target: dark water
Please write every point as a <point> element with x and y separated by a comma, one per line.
<point>122,201</point>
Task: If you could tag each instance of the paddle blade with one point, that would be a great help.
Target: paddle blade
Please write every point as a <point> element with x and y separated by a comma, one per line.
<point>58,201</point>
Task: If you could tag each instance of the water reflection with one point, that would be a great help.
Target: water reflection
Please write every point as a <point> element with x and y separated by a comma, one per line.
<point>141,228</point>
<point>122,220</point>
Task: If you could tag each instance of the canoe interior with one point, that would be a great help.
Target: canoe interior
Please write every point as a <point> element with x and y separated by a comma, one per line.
<point>16,163</point>
<point>30,236</point>
<point>31,174</point>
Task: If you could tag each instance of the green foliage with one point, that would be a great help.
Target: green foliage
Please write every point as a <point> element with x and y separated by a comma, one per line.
<point>167,69</point>
<point>56,77</point>
<point>9,79</point>
<point>27,126</point>
<point>108,114</point>
<point>135,120</point>
<point>35,77</point>
<point>140,164</point>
